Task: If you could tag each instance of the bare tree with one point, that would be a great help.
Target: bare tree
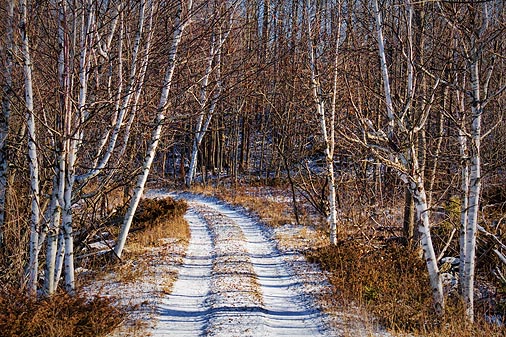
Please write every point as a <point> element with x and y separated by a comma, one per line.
<point>213,62</point>
<point>328,132</point>
<point>179,27</point>
<point>33,266</point>
<point>404,161</point>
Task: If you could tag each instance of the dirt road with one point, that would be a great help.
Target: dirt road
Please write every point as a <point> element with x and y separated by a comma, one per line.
<point>234,282</point>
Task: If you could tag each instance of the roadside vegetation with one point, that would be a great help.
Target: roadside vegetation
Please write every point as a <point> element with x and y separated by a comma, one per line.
<point>157,223</point>
<point>372,270</point>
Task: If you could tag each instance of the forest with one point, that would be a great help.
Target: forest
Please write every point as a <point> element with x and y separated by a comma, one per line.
<point>381,115</point>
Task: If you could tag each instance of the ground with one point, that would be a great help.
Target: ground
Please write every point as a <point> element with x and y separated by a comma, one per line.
<point>238,277</point>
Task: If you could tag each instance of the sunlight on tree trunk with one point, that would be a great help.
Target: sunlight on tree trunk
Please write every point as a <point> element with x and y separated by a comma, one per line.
<point>180,26</point>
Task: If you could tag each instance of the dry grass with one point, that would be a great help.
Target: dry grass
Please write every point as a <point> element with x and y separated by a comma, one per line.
<point>58,316</point>
<point>374,280</point>
<point>391,283</point>
<point>272,212</point>
<point>153,236</point>
<point>155,221</point>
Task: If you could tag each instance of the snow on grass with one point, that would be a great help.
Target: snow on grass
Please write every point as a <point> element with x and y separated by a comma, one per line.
<point>251,291</point>
<point>238,279</point>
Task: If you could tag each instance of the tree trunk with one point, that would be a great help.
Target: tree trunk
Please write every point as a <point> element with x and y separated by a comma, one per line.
<point>420,198</point>
<point>155,136</point>
<point>328,139</point>
<point>474,192</point>
<point>410,172</point>
<point>32,153</point>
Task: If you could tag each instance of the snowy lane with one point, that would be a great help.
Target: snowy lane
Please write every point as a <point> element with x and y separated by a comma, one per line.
<point>284,311</point>
<point>184,312</point>
<point>234,282</point>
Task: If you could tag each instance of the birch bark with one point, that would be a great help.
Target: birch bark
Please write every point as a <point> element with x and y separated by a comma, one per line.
<point>73,139</point>
<point>180,26</point>
<point>32,152</point>
<point>328,134</point>
<point>410,171</point>
<point>51,276</point>
<point>474,192</point>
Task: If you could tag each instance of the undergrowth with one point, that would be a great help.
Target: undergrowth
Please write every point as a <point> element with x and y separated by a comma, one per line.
<point>391,282</point>
<point>152,212</point>
<point>383,276</point>
<point>82,315</point>
<point>154,221</point>
<point>60,315</point>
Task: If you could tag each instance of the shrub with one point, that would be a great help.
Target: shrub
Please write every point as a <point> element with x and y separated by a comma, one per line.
<point>391,282</point>
<point>60,315</point>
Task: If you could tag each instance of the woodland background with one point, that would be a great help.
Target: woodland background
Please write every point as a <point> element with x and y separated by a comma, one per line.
<point>390,107</point>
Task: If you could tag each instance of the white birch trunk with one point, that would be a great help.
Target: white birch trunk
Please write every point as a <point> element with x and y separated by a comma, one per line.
<point>415,182</point>
<point>57,200</point>
<point>72,144</point>
<point>32,153</point>
<point>418,192</point>
<point>464,204</point>
<point>155,136</point>
<point>53,226</point>
<point>328,139</point>
<point>60,256</point>
<point>6,112</point>
<point>384,69</point>
<point>474,192</point>
<point>52,239</point>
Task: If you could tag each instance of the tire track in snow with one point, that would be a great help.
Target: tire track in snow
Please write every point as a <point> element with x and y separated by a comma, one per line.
<point>239,287</point>
<point>185,311</point>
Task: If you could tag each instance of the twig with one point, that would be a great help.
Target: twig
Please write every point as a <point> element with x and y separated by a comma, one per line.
<point>495,238</point>
<point>446,246</point>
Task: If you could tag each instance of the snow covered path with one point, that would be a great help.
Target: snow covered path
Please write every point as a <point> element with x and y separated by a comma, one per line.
<point>184,311</point>
<point>234,282</point>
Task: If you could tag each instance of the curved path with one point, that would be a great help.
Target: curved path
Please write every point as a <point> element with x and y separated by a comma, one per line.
<point>233,282</point>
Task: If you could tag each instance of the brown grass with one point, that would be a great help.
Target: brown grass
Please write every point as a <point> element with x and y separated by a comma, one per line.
<point>391,283</point>
<point>60,315</point>
<point>271,212</point>
<point>153,236</point>
<point>372,276</point>
<point>155,221</point>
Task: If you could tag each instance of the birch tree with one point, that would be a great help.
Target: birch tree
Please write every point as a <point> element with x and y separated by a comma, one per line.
<point>180,25</point>
<point>328,132</point>
<point>476,38</point>
<point>480,95</point>
<point>213,62</point>
<point>33,265</point>
<point>81,39</point>
<point>404,161</point>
